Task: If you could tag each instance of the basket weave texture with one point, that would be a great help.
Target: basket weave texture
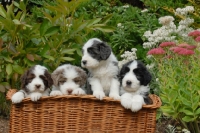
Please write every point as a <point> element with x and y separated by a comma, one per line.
<point>80,114</point>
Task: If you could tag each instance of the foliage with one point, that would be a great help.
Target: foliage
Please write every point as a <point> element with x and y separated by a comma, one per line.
<point>178,80</point>
<point>130,23</point>
<point>57,39</point>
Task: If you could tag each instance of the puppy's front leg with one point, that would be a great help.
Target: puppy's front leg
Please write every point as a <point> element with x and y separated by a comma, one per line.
<point>114,89</point>
<point>18,96</point>
<point>97,88</point>
<point>55,91</point>
<point>78,91</point>
<point>126,100</point>
<point>35,96</point>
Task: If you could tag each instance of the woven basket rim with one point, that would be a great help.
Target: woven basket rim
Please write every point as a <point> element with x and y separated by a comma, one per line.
<point>156,100</point>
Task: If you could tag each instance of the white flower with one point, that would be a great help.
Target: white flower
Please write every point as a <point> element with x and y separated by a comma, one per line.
<point>125,6</point>
<point>145,10</point>
<point>166,20</point>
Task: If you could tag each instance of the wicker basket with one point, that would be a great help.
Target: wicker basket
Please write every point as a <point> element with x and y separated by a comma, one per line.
<point>82,114</point>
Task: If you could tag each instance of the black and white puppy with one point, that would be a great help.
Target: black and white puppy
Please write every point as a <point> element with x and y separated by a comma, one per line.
<point>35,83</point>
<point>68,79</point>
<point>102,65</point>
<point>134,78</point>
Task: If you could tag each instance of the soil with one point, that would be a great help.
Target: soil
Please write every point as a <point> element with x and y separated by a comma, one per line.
<point>161,125</point>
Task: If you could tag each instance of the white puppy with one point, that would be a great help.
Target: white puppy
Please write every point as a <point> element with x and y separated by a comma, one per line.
<point>35,83</point>
<point>102,65</point>
<point>68,79</point>
<point>134,78</point>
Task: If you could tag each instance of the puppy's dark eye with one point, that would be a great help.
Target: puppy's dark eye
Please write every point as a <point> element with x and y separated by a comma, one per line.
<point>127,69</point>
<point>43,77</point>
<point>62,81</point>
<point>77,80</point>
<point>30,77</point>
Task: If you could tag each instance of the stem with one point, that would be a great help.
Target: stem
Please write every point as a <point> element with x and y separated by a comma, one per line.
<point>196,127</point>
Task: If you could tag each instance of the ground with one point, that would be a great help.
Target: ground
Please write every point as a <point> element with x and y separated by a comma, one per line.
<point>160,128</point>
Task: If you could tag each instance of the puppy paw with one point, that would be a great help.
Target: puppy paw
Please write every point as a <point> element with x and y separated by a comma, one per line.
<point>55,93</point>
<point>35,96</point>
<point>126,100</point>
<point>99,94</point>
<point>137,102</point>
<point>17,97</point>
<point>115,96</point>
<point>78,91</point>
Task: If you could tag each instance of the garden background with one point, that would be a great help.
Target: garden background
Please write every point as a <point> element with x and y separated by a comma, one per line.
<point>52,32</point>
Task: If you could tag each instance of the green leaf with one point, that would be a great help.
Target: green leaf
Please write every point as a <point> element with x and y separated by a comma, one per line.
<point>106,19</point>
<point>18,69</point>
<point>188,119</point>
<point>8,59</point>
<point>17,22</point>
<point>52,30</point>
<point>197,112</point>
<point>8,69</point>
<point>49,57</point>
<point>93,21</point>
<point>43,27</point>
<point>2,11</point>
<point>68,51</point>
<point>187,111</point>
<point>67,58</point>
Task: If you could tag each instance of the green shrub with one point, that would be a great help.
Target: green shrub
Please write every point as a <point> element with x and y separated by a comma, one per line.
<point>57,39</point>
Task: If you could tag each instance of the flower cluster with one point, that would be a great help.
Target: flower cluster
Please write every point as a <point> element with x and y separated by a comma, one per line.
<point>169,31</point>
<point>128,56</point>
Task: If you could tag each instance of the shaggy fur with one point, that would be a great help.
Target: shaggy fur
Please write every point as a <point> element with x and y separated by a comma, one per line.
<point>134,78</point>
<point>68,79</point>
<point>102,65</point>
<point>35,83</point>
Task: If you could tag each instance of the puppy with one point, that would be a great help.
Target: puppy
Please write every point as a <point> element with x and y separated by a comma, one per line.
<point>68,79</point>
<point>134,79</point>
<point>102,65</point>
<point>35,83</point>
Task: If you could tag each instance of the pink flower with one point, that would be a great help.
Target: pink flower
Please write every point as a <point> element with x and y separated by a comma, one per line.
<point>167,44</point>
<point>156,51</point>
<point>176,49</point>
<point>186,52</point>
<point>183,45</point>
<point>194,33</point>
<point>197,39</point>
<point>191,47</point>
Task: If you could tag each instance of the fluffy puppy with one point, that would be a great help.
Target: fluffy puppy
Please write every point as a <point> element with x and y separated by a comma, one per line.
<point>102,65</point>
<point>134,78</point>
<point>68,79</point>
<point>35,83</point>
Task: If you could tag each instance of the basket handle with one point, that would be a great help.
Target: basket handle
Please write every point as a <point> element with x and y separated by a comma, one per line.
<point>10,93</point>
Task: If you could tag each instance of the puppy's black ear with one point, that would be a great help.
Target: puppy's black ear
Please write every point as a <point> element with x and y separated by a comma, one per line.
<point>105,50</point>
<point>49,79</point>
<point>23,80</point>
<point>145,74</point>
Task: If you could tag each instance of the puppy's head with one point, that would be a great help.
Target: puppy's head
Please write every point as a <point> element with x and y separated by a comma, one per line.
<point>36,79</point>
<point>68,78</point>
<point>133,75</point>
<point>94,51</point>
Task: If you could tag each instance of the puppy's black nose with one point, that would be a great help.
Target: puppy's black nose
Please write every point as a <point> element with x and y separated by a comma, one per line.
<point>69,91</point>
<point>37,86</point>
<point>84,62</point>
<point>128,82</point>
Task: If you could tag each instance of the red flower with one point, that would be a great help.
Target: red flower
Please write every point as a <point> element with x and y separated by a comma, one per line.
<point>194,33</point>
<point>197,39</point>
<point>156,51</point>
<point>167,44</point>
